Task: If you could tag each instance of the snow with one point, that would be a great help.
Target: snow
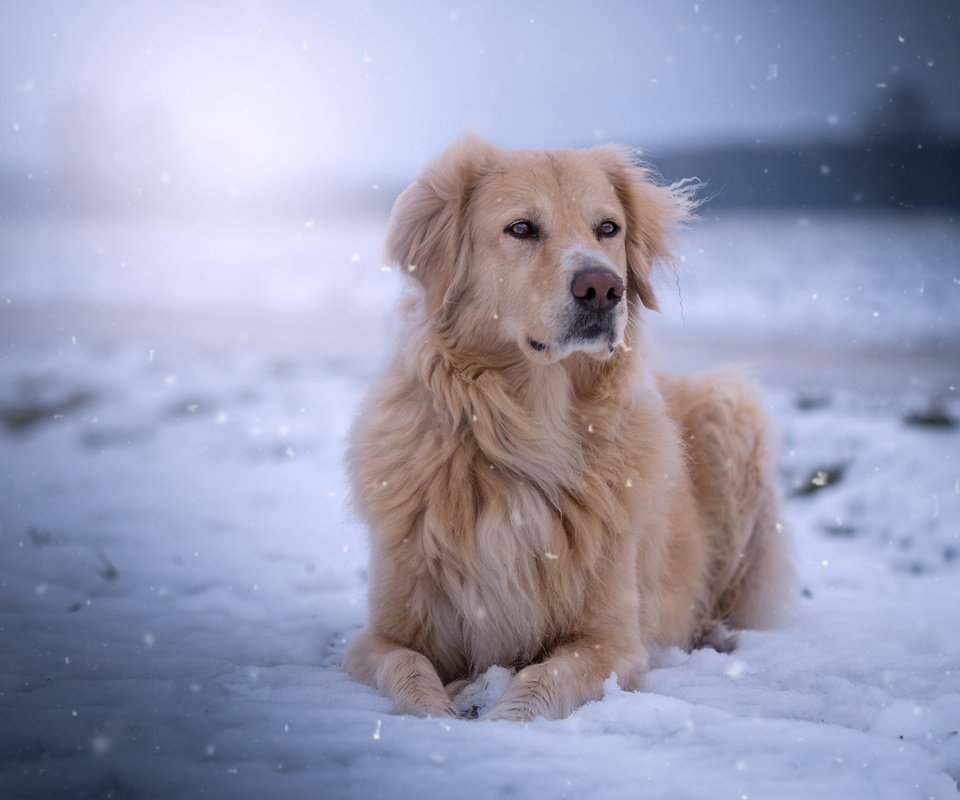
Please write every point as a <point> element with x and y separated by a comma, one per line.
<point>180,571</point>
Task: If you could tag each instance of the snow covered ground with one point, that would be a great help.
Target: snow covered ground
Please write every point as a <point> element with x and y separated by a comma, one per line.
<point>179,571</point>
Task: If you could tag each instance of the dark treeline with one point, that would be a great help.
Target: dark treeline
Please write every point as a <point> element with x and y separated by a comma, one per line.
<point>899,157</point>
<point>880,175</point>
<point>818,175</point>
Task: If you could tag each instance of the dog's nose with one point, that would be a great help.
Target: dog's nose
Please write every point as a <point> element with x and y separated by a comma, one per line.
<point>597,289</point>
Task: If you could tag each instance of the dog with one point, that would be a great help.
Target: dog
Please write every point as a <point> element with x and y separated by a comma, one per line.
<point>537,498</point>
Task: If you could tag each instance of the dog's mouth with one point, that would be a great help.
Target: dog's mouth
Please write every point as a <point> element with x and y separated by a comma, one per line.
<point>588,332</point>
<point>535,345</point>
<point>591,330</point>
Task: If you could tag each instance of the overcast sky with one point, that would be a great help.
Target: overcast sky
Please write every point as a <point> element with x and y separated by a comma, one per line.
<point>277,87</point>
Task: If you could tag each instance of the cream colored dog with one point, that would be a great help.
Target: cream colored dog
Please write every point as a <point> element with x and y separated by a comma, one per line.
<point>536,497</point>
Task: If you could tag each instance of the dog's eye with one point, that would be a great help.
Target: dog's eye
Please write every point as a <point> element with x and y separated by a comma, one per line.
<point>607,228</point>
<point>521,229</point>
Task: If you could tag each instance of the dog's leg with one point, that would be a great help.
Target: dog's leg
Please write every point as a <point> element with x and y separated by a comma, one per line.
<point>731,452</point>
<point>764,595</point>
<point>571,676</point>
<point>405,676</point>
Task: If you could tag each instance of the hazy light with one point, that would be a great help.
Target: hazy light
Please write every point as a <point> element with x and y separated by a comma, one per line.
<point>243,120</point>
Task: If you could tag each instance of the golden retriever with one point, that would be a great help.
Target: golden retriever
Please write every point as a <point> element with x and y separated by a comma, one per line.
<point>536,497</point>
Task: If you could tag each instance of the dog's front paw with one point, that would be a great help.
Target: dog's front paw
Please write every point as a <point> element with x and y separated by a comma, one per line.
<point>425,708</point>
<point>410,679</point>
<point>533,692</point>
<point>422,699</point>
<point>515,711</point>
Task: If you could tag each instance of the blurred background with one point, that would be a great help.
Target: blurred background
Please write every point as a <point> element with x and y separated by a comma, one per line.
<point>193,197</point>
<point>240,158</point>
<point>187,108</point>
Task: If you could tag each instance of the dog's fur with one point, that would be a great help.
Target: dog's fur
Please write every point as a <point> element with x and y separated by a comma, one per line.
<point>536,497</point>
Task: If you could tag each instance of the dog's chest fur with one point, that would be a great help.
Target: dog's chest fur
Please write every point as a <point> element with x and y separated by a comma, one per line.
<point>527,578</point>
<point>501,530</point>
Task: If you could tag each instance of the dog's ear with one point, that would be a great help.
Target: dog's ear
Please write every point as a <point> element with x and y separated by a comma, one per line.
<point>653,213</point>
<point>426,230</point>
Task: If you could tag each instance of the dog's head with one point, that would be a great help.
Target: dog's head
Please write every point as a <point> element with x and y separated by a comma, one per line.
<point>548,250</point>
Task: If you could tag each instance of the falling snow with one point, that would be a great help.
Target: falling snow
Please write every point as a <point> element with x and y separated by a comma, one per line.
<point>203,661</point>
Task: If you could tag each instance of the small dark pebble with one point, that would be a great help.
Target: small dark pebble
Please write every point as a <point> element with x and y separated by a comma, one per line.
<point>806,592</point>
<point>23,416</point>
<point>109,572</point>
<point>810,402</point>
<point>820,479</point>
<point>39,538</point>
<point>840,530</point>
<point>933,417</point>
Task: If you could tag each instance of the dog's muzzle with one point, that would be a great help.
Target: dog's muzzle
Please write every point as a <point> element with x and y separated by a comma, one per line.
<point>596,293</point>
<point>596,289</point>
